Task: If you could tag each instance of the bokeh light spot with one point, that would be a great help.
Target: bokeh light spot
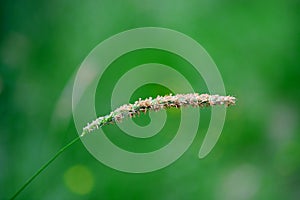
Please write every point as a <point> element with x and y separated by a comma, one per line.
<point>79,179</point>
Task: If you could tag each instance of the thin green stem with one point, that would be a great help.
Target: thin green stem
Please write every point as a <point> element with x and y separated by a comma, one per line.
<point>44,167</point>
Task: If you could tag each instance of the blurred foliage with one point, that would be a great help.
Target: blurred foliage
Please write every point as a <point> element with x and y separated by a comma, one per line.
<point>256,46</point>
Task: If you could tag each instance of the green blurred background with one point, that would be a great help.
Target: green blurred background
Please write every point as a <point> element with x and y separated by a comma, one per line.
<point>256,46</point>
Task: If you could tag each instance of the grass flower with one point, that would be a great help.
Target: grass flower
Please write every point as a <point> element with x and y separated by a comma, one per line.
<point>156,104</point>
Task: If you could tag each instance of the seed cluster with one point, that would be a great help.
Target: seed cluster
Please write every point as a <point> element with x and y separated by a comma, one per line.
<point>156,104</point>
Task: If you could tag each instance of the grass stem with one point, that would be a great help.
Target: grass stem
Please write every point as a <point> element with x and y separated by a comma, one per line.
<point>44,167</point>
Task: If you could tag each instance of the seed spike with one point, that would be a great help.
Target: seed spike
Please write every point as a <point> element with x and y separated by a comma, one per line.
<point>156,104</point>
